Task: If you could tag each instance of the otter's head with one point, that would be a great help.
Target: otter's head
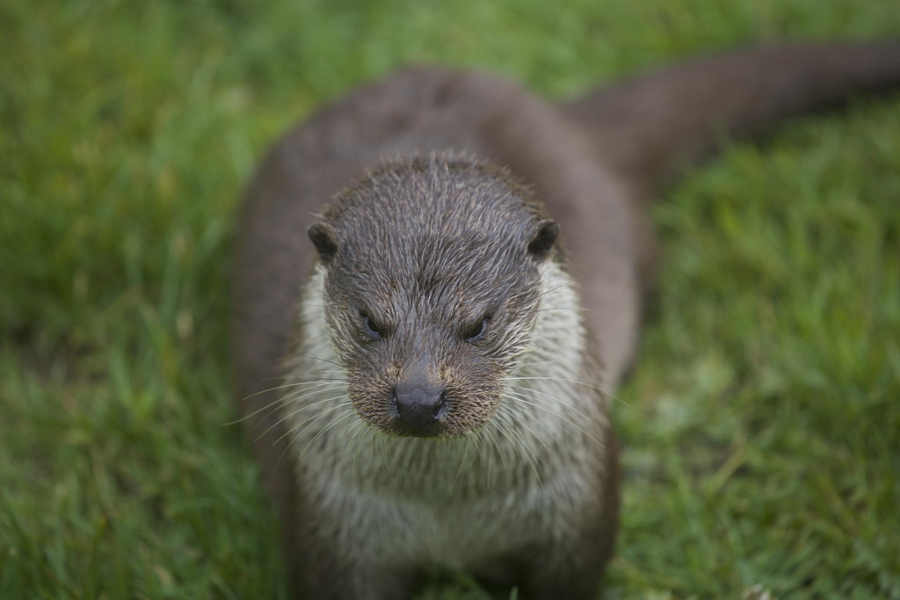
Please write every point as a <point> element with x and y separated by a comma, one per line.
<point>432,280</point>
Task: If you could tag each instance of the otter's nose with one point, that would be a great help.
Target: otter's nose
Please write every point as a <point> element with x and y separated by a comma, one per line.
<point>418,403</point>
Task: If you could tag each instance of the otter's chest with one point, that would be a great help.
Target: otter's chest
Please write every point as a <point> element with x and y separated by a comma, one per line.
<point>451,534</point>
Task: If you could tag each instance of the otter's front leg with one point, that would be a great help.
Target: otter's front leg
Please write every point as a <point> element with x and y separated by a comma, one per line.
<point>573,572</point>
<point>572,566</point>
<point>320,567</point>
<point>317,574</point>
<point>573,582</point>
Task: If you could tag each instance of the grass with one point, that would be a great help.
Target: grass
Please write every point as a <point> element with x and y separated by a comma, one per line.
<point>762,428</point>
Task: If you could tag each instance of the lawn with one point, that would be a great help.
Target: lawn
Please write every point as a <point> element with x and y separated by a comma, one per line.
<point>761,428</point>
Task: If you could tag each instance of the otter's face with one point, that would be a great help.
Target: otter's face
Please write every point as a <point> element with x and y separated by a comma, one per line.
<point>429,309</point>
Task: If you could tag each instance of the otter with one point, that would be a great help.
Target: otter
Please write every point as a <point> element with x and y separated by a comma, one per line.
<point>439,281</point>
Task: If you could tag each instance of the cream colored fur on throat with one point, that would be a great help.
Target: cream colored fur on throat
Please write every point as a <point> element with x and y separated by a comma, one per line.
<point>451,500</point>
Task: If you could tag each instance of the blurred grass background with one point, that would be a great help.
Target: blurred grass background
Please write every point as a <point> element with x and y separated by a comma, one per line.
<point>762,428</point>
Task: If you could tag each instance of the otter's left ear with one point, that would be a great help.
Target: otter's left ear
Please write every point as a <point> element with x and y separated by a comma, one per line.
<point>325,241</point>
<point>543,239</point>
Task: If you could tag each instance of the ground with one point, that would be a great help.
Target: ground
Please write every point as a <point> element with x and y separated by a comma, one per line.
<point>761,427</point>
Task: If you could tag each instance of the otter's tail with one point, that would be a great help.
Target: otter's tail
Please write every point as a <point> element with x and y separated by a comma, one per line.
<point>652,126</point>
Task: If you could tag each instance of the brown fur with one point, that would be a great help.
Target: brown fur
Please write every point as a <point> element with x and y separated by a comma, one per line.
<point>429,275</point>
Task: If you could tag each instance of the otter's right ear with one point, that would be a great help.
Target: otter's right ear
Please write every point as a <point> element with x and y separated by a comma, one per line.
<point>543,239</point>
<point>325,241</point>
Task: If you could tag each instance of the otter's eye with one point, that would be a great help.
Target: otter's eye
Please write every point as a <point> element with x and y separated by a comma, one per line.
<point>476,331</point>
<point>373,330</point>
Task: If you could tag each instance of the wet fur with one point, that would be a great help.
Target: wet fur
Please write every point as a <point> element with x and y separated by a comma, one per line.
<point>522,487</point>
